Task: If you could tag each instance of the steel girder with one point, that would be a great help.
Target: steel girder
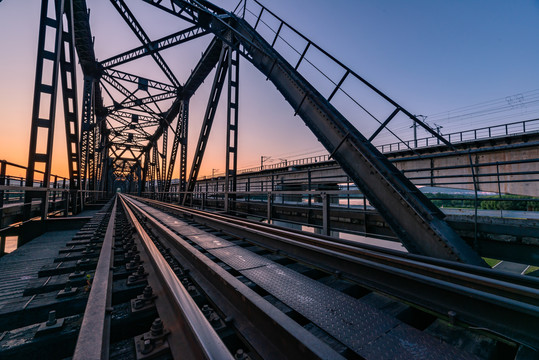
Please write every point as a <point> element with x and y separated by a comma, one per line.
<point>232,128</point>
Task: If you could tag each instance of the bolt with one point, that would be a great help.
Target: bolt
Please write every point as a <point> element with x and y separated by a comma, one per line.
<point>147,346</point>
<point>240,355</point>
<point>214,319</point>
<point>147,292</point>
<point>139,303</point>
<point>206,310</point>
<point>140,270</point>
<point>452,317</point>
<point>157,327</point>
<point>52,318</point>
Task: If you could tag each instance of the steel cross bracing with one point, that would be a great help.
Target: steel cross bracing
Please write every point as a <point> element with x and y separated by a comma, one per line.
<point>128,131</point>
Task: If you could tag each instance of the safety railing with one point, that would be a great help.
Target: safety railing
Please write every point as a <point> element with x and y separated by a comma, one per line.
<point>59,198</point>
<point>503,130</point>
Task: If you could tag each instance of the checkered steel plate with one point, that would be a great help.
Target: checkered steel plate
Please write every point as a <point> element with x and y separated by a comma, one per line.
<point>238,258</point>
<point>351,322</point>
<point>209,241</point>
<point>406,342</point>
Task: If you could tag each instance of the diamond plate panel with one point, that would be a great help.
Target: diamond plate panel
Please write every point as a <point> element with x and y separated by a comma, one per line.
<point>406,342</point>
<point>172,221</point>
<point>238,258</point>
<point>187,230</point>
<point>209,241</point>
<point>353,323</point>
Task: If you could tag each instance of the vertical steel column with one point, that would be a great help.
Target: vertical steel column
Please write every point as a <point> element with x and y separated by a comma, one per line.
<point>325,214</point>
<point>69,95</point>
<point>145,172</point>
<point>2,182</point>
<point>232,129</point>
<point>87,145</point>
<point>184,132</point>
<point>44,104</point>
<point>163,171</point>
<point>211,108</point>
<point>180,139</point>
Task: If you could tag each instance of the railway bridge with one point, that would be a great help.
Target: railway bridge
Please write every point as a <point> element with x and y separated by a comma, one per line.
<point>121,259</point>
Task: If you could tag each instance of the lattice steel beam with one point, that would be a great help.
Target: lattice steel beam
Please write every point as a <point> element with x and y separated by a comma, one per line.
<point>157,45</point>
<point>130,19</point>
<point>232,129</point>
<point>44,98</point>
<point>211,108</point>
<point>87,145</point>
<point>141,81</point>
<point>180,138</point>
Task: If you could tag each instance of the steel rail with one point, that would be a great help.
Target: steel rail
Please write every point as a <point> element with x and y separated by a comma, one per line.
<point>94,334</point>
<point>208,342</point>
<point>268,330</point>
<point>364,250</point>
<point>477,299</point>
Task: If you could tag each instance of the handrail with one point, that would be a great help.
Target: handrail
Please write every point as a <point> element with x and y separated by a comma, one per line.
<point>524,127</point>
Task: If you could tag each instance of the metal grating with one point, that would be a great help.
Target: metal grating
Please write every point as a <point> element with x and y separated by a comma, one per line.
<point>353,323</point>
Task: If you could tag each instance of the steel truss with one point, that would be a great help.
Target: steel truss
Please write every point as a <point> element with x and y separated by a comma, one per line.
<point>134,125</point>
<point>62,57</point>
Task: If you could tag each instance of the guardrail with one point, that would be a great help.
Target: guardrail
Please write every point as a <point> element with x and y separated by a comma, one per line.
<point>510,129</point>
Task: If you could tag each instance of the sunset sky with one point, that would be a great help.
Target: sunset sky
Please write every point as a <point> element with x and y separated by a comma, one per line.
<point>434,57</point>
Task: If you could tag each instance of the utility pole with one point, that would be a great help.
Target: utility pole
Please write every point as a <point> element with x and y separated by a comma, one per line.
<point>414,125</point>
<point>262,159</point>
<point>438,127</point>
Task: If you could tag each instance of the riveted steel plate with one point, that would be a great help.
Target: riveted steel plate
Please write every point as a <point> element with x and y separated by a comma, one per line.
<point>351,322</point>
<point>238,258</point>
<point>209,241</point>
<point>406,342</point>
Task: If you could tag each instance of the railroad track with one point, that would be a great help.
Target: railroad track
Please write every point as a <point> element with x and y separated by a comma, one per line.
<point>501,305</point>
<point>166,281</point>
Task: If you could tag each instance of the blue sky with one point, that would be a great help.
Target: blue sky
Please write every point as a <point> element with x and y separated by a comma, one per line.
<point>431,56</point>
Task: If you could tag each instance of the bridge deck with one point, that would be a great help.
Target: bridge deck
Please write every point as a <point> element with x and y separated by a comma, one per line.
<point>22,265</point>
